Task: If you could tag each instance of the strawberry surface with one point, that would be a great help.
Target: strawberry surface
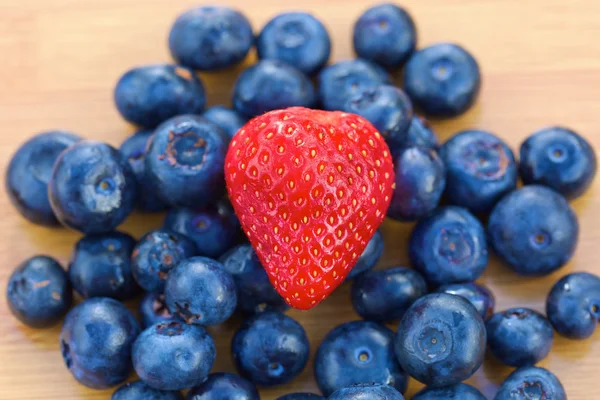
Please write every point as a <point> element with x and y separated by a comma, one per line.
<point>310,188</point>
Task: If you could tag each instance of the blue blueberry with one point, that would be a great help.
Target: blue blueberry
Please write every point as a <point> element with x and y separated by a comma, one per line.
<point>420,181</point>
<point>29,171</point>
<point>92,187</point>
<point>229,120</point>
<point>534,230</point>
<point>386,35</point>
<point>154,310</point>
<point>385,295</point>
<point>519,336</point>
<point>369,257</point>
<point>573,305</point>
<point>224,386</point>
<point>441,340</point>
<point>173,355</point>
<point>96,341</point>
<point>343,80</point>
<point>296,38</point>
<point>560,159</point>
<point>443,79</point>
<point>420,133</point>
<point>449,247</point>
<point>210,38</point>
<point>478,295</point>
<point>200,291</point>
<point>156,253</point>
<point>367,391</point>
<point>358,352</point>
<point>531,383</point>
<point>138,390</point>
<point>134,150</point>
<point>481,169</point>
<point>185,161</point>
<point>270,349</point>
<point>271,85</point>
<point>38,292</point>
<point>459,391</point>
<point>301,396</point>
<point>255,292</point>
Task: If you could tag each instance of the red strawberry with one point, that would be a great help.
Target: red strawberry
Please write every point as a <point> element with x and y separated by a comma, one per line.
<point>310,188</point>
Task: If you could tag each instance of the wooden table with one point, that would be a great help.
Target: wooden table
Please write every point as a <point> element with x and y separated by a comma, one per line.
<point>61,59</point>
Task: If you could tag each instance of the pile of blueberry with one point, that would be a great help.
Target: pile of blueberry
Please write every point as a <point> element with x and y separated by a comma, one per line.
<point>197,270</point>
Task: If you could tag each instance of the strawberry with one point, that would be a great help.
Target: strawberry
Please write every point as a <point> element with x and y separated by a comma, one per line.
<point>310,188</point>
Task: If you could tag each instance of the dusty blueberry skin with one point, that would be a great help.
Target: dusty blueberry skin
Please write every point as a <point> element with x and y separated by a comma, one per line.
<point>185,161</point>
<point>38,292</point>
<point>449,247</point>
<point>443,80</point>
<point>459,391</point>
<point>420,133</point>
<point>358,352</point>
<point>301,396</point>
<point>96,341</point>
<point>531,383</point>
<point>154,310</point>
<point>255,292</point>
<point>385,34</point>
<point>270,349</point>
<point>441,340</point>
<point>138,390</point>
<point>296,38</point>
<point>155,254</point>
<point>345,79</point>
<point>420,178</point>
<point>385,295</point>
<point>28,173</point>
<point>229,120</point>
<point>478,295</point>
<point>519,337</point>
<point>560,159</point>
<point>210,38</point>
<point>369,257</point>
<point>481,169</point>
<point>92,187</point>
<point>573,305</point>
<point>134,150</point>
<point>271,85</point>
<point>173,355</point>
<point>367,391</point>
<point>534,230</point>
<point>224,386</point>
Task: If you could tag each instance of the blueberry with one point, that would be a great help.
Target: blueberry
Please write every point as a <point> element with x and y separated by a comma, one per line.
<point>420,180</point>
<point>271,85</point>
<point>138,390</point>
<point>29,171</point>
<point>385,295</point>
<point>185,161</point>
<point>270,349</point>
<point>173,355</point>
<point>459,391</point>
<point>156,253</point>
<point>478,295</point>
<point>153,309</point>
<point>519,337</point>
<point>420,133</point>
<point>441,340</point>
<point>301,396</point>
<point>214,229</point>
<point>369,257</point>
<point>38,292</point>
<point>340,81</point>
<point>560,159</point>
<point>386,35</point>
<point>531,383</point>
<point>229,120</point>
<point>481,169</point>
<point>296,38</point>
<point>254,290</point>
<point>224,386</point>
<point>92,188</point>
<point>534,230</point>
<point>134,150</point>
<point>152,94</point>
<point>210,38</point>
<point>449,246</point>
<point>443,79</point>
<point>96,341</point>
<point>200,291</point>
<point>367,391</point>
<point>358,352</point>
<point>100,266</point>
<point>573,305</point>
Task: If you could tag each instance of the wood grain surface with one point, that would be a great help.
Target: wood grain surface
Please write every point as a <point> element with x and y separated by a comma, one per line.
<point>61,58</point>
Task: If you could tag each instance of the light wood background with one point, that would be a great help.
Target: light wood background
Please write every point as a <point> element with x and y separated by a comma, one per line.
<point>59,61</point>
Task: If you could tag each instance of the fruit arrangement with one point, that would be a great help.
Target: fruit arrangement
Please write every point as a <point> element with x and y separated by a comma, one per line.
<point>275,202</point>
